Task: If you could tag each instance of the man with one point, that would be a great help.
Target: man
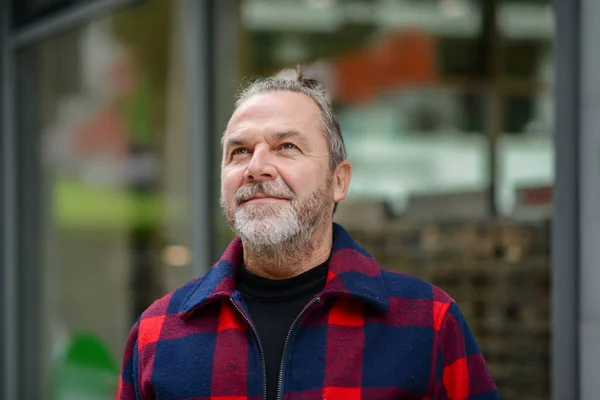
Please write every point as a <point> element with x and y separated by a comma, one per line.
<point>295,309</point>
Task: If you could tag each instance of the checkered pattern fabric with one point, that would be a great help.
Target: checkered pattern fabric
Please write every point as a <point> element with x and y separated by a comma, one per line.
<point>371,334</point>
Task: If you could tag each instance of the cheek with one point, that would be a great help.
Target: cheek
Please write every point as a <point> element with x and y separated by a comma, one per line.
<point>305,182</point>
<point>230,183</point>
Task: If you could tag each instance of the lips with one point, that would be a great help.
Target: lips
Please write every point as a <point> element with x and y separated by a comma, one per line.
<point>261,197</point>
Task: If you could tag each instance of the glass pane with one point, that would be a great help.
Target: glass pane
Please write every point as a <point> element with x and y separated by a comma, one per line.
<point>403,79</point>
<point>412,84</point>
<point>108,106</point>
<point>526,143</point>
<point>525,177</point>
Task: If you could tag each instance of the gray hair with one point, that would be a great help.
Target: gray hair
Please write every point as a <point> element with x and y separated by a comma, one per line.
<point>311,88</point>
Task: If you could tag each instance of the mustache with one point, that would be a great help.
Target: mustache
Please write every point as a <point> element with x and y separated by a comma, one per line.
<point>268,188</point>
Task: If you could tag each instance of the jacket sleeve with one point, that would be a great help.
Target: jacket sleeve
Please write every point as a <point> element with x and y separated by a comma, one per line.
<point>127,378</point>
<point>461,372</point>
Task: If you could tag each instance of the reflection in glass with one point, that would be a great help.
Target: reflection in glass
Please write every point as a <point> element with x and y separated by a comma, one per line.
<point>439,101</point>
<point>113,184</point>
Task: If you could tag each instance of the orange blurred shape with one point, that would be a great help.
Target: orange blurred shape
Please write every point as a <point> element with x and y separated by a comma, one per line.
<point>401,59</point>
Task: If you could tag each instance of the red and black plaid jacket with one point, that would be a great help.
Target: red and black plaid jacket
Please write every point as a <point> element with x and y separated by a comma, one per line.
<point>370,334</point>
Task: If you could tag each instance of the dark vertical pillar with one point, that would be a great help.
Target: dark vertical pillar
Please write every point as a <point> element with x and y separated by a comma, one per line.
<point>565,226</point>
<point>8,270</point>
<point>589,201</point>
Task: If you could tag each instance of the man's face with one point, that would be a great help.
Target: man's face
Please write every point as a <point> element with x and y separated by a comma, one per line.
<point>276,184</point>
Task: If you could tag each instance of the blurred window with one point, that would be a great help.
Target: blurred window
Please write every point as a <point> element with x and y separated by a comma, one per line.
<point>525,147</point>
<point>407,79</point>
<point>447,116</point>
<point>103,122</point>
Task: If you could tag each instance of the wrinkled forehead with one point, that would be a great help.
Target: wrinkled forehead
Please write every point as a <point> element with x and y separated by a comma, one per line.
<point>274,111</point>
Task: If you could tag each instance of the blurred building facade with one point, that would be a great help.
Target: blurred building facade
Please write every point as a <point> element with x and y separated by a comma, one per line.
<point>464,174</point>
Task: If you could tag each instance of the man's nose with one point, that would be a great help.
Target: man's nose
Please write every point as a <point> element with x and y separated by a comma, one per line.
<point>260,167</point>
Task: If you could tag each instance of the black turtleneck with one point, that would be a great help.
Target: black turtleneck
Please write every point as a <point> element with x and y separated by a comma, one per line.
<point>273,306</point>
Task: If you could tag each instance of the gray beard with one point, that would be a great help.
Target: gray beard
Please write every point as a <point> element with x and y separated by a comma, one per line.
<point>276,233</point>
<point>266,226</point>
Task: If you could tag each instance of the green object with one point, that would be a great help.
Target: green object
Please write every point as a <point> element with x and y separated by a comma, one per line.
<point>138,116</point>
<point>79,206</point>
<point>85,371</point>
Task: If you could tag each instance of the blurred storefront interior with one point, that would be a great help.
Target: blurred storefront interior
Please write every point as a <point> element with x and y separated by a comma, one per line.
<point>463,172</point>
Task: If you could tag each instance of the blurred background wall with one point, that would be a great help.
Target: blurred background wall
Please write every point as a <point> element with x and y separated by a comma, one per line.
<point>113,112</point>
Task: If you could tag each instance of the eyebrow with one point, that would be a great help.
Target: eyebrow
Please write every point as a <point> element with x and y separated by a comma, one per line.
<point>231,142</point>
<point>277,136</point>
<point>291,134</point>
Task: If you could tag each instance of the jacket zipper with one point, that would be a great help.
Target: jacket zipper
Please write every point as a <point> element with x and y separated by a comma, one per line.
<point>260,348</point>
<point>287,339</point>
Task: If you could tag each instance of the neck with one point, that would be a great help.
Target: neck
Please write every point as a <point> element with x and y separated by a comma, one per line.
<point>290,259</point>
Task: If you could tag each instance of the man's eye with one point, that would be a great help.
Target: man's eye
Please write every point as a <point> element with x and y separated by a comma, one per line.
<point>288,146</point>
<point>239,151</point>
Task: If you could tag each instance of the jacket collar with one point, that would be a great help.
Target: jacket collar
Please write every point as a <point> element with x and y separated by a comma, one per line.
<point>352,273</point>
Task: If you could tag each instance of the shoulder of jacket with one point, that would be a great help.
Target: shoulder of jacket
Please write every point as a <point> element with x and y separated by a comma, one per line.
<point>170,303</point>
<point>403,285</point>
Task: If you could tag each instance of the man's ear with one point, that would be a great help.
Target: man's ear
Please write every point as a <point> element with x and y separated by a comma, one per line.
<point>341,180</point>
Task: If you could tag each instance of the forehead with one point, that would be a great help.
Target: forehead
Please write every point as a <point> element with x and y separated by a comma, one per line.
<point>276,111</point>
